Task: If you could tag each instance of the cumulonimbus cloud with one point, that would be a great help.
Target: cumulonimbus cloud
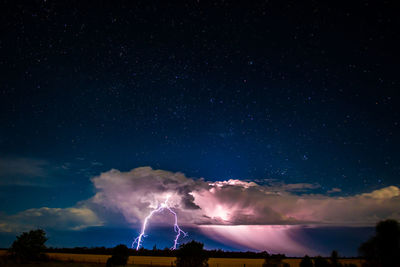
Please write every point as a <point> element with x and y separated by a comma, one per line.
<point>234,202</point>
<point>241,213</point>
<point>220,209</point>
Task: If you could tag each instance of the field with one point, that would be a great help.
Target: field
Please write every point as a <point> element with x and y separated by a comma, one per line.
<point>53,264</point>
<point>89,260</point>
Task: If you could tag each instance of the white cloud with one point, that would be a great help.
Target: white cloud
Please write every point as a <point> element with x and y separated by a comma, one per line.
<point>57,218</point>
<point>135,193</point>
<point>384,193</point>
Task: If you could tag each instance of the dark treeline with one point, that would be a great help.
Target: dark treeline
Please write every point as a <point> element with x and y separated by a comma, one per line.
<point>381,250</point>
<point>166,252</point>
<point>108,251</point>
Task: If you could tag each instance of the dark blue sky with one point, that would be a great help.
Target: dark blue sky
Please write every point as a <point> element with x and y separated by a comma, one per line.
<point>296,92</point>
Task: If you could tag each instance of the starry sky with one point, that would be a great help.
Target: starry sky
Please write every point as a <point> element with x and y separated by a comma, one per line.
<point>299,98</point>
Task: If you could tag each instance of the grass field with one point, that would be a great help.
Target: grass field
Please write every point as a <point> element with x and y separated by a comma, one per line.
<point>89,260</point>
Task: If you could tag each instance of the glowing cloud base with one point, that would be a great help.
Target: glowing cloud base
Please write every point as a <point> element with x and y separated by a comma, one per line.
<point>164,206</point>
<point>288,239</point>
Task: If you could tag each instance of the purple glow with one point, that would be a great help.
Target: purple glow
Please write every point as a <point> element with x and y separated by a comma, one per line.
<point>177,229</point>
<point>286,239</point>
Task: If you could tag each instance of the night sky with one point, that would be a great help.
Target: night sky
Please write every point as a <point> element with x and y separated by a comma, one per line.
<point>298,99</point>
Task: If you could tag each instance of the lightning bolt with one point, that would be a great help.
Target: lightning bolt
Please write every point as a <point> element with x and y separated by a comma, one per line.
<point>177,229</point>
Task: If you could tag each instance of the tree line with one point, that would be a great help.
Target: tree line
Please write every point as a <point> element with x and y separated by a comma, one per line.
<point>381,250</point>
<point>166,252</point>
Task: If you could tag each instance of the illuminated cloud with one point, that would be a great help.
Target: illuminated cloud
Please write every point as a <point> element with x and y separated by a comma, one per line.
<point>384,193</point>
<point>262,217</point>
<point>234,202</point>
<point>286,239</point>
<point>56,218</point>
<point>135,193</point>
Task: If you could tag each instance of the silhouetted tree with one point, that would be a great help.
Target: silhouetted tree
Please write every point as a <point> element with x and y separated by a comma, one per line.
<point>306,262</point>
<point>321,262</point>
<point>383,249</point>
<point>119,256</point>
<point>335,259</point>
<point>191,254</point>
<point>29,245</point>
<point>274,261</point>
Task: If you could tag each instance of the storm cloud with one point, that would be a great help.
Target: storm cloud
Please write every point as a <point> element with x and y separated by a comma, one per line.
<point>234,202</point>
<point>223,210</point>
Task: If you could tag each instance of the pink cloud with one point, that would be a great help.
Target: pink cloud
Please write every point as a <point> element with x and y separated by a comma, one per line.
<point>262,217</point>
<point>272,238</point>
<point>234,202</point>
